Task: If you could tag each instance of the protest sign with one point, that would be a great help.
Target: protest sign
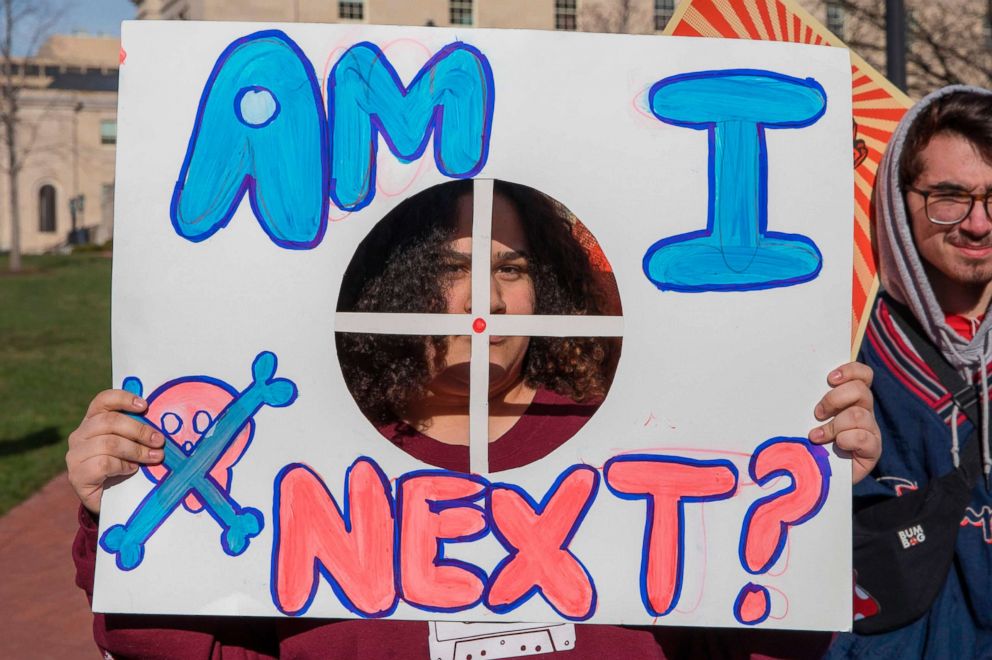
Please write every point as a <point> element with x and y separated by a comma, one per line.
<point>262,171</point>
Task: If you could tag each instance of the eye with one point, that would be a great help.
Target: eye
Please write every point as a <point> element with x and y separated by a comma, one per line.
<point>202,421</point>
<point>171,423</point>
<point>455,269</point>
<point>509,272</point>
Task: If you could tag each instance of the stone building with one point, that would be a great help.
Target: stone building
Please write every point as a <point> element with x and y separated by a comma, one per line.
<point>635,16</point>
<point>536,14</point>
<point>950,41</point>
<point>67,133</point>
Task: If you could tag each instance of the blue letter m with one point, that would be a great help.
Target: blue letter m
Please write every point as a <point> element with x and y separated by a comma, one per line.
<point>451,96</point>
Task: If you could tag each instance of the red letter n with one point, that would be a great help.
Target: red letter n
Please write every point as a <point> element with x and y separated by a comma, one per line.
<point>352,548</point>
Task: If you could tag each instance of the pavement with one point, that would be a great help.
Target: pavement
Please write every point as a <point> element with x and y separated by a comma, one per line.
<point>43,614</point>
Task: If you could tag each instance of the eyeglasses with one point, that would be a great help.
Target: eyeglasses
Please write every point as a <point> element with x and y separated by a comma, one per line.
<point>945,207</point>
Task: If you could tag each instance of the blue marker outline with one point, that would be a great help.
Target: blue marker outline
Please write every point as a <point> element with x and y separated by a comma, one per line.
<point>649,518</point>
<point>248,183</point>
<point>318,566</point>
<point>255,88</point>
<point>173,453</point>
<point>196,422</point>
<point>436,506</point>
<point>434,125</point>
<point>822,460</point>
<point>514,551</point>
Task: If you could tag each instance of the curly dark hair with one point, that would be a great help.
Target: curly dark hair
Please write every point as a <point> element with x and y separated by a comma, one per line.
<point>399,268</point>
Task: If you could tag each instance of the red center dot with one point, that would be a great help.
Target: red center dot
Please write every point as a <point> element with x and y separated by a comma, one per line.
<point>479,325</point>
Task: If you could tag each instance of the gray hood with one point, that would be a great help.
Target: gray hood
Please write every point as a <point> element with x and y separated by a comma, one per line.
<point>903,276</point>
<point>900,267</point>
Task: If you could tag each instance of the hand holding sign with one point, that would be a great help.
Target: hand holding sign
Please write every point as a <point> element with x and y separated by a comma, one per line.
<point>109,443</point>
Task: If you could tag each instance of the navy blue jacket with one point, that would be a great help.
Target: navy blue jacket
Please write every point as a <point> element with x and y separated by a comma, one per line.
<point>914,412</point>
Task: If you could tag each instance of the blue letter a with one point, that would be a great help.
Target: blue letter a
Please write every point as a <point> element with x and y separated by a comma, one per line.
<point>451,96</point>
<point>260,128</point>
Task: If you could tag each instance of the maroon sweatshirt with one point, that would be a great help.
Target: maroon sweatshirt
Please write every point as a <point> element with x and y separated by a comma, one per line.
<point>548,422</point>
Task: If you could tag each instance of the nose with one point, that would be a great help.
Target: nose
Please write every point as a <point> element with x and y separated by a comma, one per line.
<point>977,222</point>
<point>496,303</point>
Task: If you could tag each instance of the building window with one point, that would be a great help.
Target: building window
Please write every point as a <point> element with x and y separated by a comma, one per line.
<point>351,10</point>
<point>663,10</point>
<point>835,18</point>
<point>460,12</point>
<point>565,15</point>
<point>107,209</point>
<point>108,131</point>
<point>46,209</point>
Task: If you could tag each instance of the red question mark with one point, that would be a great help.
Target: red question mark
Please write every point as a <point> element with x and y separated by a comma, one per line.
<point>766,525</point>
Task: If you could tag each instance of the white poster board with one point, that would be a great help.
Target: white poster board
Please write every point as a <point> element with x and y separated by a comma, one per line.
<point>715,177</point>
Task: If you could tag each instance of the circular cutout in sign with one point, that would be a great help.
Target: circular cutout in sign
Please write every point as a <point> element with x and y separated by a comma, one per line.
<point>447,339</point>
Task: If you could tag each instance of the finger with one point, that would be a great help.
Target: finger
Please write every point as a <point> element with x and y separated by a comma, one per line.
<point>115,423</point>
<point>855,417</point>
<point>852,371</point>
<point>89,476</point>
<point>850,394</point>
<point>859,442</point>
<point>127,450</point>
<point>80,459</point>
<point>856,432</point>
<point>92,465</point>
<point>109,400</point>
<point>865,449</point>
<point>97,469</point>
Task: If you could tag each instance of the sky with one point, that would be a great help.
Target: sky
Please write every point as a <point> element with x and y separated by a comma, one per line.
<point>92,16</point>
<point>95,16</point>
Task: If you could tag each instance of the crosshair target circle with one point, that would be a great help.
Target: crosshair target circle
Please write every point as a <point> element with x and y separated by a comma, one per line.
<point>479,325</point>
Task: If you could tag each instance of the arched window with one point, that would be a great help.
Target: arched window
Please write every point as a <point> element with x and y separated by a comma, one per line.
<point>46,208</point>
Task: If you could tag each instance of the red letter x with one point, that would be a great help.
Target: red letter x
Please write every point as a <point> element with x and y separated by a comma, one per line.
<point>537,539</point>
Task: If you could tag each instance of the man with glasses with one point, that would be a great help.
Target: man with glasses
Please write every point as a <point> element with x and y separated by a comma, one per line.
<point>933,238</point>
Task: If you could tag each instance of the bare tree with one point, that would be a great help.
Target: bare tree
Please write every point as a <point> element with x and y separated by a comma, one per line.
<point>622,16</point>
<point>946,43</point>
<point>23,24</point>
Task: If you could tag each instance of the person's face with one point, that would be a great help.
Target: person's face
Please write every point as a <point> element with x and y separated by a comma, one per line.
<point>958,256</point>
<point>511,291</point>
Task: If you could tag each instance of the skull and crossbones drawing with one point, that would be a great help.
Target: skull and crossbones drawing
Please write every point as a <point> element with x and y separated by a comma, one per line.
<point>190,466</point>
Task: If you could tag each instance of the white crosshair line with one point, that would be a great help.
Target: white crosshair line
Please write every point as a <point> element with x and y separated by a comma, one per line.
<point>508,325</point>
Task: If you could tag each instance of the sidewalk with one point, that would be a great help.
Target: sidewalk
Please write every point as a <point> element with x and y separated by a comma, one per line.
<point>42,612</point>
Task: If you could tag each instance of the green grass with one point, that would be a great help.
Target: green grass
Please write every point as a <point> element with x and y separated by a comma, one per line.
<point>54,356</point>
